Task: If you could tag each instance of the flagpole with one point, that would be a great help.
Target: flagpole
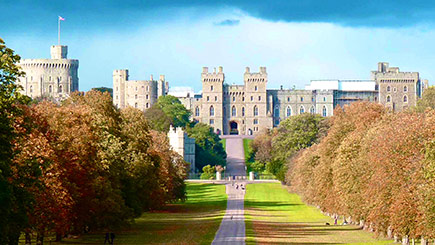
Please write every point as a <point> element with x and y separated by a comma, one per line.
<point>58,31</point>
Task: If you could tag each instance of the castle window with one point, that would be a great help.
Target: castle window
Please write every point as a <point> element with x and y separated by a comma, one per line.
<point>116,88</point>
<point>135,96</point>
<point>288,99</point>
<point>259,98</point>
<point>208,98</point>
<point>211,111</point>
<point>302,110</point>
<point>136,88</point>
<point>117,97</point>
<point>276,111</point>
<point>31,78</point>
<point>388,88</point>
<point>49,78</point>
<point>243,111</point>
<point>255,111</point>
<point>50,89</point>
<point>211,87</point>
<point>312,99</point>
<point>395,89</point>
<point>243,98</point>
<point>252,98</point>
<point>312,110</point>
<point>234,98</point>
<point>233,111</point>
<point>405,88</point>
<point>135,105</point>
<point>147,105</point>
<point>197,111</point>
<point>211,121</point>
<point>256,88</point>
<point>302,99</point>
<point>215,98</point>
<point>255,121</point>
<point>289,111</point>
<point>146,96</point>
<point>405,99</point>
<point>60,89</point>
<point>31,88</point>
<point>324,98</point>
<point>324,112</point>
<point>388,98</point>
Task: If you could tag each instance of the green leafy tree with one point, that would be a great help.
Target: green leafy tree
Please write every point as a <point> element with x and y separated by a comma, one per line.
<point>14,199</point>
<point>168,111</point>
<point>427,101</point>
<point>104,89</point>
<point>208,146</point>
<point>208,172</point>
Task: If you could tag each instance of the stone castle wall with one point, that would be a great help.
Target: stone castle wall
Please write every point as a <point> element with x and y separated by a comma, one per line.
<point>56,77</point>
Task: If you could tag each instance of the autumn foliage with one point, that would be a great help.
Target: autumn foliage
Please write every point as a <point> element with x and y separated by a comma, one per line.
<point>89,166</point>
<point>374,166</point>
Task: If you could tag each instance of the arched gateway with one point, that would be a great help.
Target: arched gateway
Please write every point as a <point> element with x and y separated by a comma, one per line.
<point>233,128</point>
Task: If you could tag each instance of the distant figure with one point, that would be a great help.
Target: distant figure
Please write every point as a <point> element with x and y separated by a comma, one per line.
<point>237,186</point>
<point>335,220</point>
<point>112,237</point>
<point>107,239</point>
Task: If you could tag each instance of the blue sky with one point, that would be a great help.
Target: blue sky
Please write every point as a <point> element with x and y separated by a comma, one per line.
<point>296,40</point>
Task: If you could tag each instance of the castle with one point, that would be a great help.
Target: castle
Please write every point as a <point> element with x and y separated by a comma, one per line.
<point>247,109</point>
<point>141,94</point>
<point>56,77</point>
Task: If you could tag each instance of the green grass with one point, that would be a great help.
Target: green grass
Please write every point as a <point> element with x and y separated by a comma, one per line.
<point>224,144</point>
<point>248,155</point>
<point>194,222</point>
<point>273,215</point>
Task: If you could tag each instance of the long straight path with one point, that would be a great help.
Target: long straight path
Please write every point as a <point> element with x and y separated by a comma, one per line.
<point>232,228</point>
<point>235,156</point>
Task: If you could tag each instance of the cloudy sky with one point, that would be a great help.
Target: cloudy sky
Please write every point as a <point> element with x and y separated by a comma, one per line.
<point>296,40</point>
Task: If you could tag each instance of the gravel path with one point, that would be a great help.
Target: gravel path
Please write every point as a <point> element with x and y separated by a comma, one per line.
<point>232,228</point>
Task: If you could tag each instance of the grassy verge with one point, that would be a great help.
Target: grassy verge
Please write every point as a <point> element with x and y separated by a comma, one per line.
<point>193,222</point>
<point>273,215</point>
<point>249,159</point>
<point>224,144</point>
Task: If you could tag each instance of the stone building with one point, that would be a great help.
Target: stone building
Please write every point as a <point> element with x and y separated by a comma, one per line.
<point>397,90</point>
<point>56,77</point>
<point>141,94</point>
<point>248,108</point>
<point>183,145</point>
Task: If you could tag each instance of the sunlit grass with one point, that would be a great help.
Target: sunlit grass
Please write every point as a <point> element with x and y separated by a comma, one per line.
<point>194,222</point>
<point>273,215</point>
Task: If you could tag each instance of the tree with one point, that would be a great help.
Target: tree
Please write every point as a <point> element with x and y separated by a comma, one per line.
<point>104,89</point>
<point>14,199</point>
<point>208,172</point>
<point>167,111</point>
<point>427,100</point>
<point>208,146</point>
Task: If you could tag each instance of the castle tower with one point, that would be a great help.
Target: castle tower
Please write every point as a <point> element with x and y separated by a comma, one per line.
<point>161,86</point>
<point>256,101</point>
<point>212,98</point>
<point>397,90</point>
<point>56,77</point>
<point>120,77</point>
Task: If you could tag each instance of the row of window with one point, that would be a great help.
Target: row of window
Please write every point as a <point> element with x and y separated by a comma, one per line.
<point>255,111</point>
<point>59,79</point>
<point>405,89</point>
<point>147,105</point>
<point>50,89</point>
<point>147,88</point>
<point>405,99</point>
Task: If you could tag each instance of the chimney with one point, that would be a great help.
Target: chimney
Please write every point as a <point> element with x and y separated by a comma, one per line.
<point>151,78</point>
<point>162,77</point>
<point>247,70</point>
<point>221,69</point>
<point>205,70</point>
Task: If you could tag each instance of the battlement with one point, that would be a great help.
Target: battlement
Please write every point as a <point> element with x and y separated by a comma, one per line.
<point>213,77</point>
<point>260,76</point>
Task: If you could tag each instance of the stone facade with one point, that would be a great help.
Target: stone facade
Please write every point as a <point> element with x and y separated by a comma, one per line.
<point>183,145</point>
<point>141,94</point>
<point>247,109</point>
<point>56,77</point>
<point>397,90</point>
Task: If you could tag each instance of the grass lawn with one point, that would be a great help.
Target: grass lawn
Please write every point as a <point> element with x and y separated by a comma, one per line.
<point>194,222</point>
<point>224,144</point>
<point>273,215</point>
<point>248,158</point>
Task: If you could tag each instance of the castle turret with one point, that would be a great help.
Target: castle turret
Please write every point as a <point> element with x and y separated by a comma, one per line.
<point>120,77</point>
<point>59,52</point>
<point>212,98</point>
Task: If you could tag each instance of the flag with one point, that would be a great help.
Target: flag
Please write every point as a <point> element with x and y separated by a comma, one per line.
<point>61,18</point>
